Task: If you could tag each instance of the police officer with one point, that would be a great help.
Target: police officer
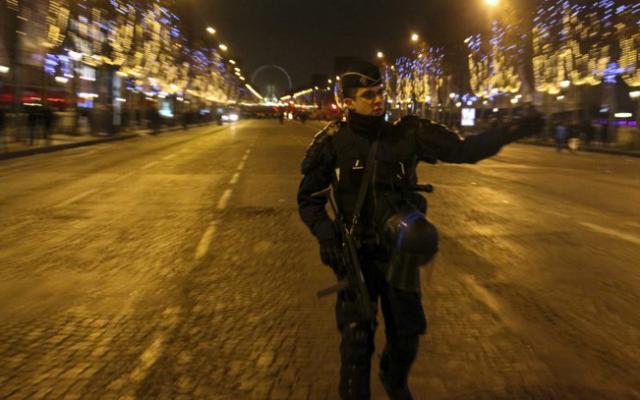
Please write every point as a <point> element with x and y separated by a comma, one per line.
<point>392,232</point>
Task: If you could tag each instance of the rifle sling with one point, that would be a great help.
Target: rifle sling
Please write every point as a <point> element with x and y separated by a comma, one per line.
<point>364,185</point>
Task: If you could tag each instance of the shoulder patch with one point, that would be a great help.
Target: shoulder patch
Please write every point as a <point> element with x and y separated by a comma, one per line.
<point>318,145</point>
<point>331,128</point>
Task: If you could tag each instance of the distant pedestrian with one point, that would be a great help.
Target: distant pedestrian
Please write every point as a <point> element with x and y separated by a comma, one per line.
<point>587,130</point>
<point>186,117</point>
<point>2,123</point>
<point>48,122</point>
<point>561,135</point>
<point>32,123</point>
<point>604,132</point>
<point>153,117</point>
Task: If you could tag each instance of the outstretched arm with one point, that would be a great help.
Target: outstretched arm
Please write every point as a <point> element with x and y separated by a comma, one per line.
<point>437,143</point>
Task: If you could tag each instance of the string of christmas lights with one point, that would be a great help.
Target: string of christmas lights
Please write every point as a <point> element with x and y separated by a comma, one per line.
<point>141,40</point>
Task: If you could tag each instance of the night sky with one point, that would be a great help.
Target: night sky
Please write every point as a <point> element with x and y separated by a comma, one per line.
<point>304,36</point>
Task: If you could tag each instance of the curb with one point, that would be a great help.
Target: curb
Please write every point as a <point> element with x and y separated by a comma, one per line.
<point>617,152</point>
<point>64,146</point>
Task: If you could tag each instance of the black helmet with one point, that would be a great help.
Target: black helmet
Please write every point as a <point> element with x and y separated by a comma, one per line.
<point>412,241</point>
<point>410,232</point>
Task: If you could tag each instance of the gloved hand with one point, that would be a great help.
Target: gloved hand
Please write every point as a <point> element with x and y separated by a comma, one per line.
<point>329,253</point>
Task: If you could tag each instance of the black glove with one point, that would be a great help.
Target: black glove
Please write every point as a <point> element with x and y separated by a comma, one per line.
<point>329,253</point>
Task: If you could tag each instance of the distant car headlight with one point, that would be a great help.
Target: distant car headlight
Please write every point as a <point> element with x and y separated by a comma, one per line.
<point>225,117</point>
<point>233,117</point>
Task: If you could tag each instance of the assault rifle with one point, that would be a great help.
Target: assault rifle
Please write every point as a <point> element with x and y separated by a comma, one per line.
<point>350,277</point>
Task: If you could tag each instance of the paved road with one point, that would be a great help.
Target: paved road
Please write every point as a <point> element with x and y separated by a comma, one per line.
<point>176,267</point>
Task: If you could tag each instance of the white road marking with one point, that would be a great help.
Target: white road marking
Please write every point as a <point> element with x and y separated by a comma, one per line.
<point>234,178</point>
<point>151,164</point>
<point>483,294</point>
<point>205,241</point>
<point>83,152</point>
<point>240,166</point>
<point>170,156</point>
<point>148,359</point>
<point>634,224</point>
<point>248,151</point>
<point>9,166</point>
<point>123,177</point>
<point>78,197</point>
<point>244,157</point>
<point>612,232</point>
<point>222,203</point>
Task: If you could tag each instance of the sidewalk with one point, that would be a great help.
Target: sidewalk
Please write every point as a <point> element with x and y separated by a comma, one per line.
<point>592,149</point>
<point>14,149</point>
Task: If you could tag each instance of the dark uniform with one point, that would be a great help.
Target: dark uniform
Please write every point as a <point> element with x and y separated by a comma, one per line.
<point>337,156</point>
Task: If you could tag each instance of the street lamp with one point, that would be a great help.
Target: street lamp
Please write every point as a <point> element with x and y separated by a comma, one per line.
<point>415,37</point>
<point>380,55</point>
<point>223,47</point>
<point>491,3</point>
<point>211,30</point>
<point>232,62</point>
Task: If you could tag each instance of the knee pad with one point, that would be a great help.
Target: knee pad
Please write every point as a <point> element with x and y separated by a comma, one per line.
<point>356,350</point>
<point>403,349</point>
<point>357,341</point>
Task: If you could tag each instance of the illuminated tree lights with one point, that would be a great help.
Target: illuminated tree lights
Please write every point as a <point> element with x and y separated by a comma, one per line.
<point>494,64</point>
<point>141,40</point>
<point>419,78</point>
<point>572,42</point>
<point>628,32</point>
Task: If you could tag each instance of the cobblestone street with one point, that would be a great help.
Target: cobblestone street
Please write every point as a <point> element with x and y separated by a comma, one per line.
<point>176,267</point>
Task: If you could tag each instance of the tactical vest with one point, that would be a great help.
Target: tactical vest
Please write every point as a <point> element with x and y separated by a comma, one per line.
<point>394,171</point>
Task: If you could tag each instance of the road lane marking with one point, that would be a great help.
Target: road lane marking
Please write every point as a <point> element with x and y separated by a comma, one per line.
<point>240,166</point>
<point>222,203</point>
<point>247,152</point>
<point>148,359</point>
<point>123,177</point>
<point>82,153</point>
<point>234,178</point>
<point>612,232</point>
<point>78,197</point>
<point>483,294</point>
<point>149,165</point>
<point>205,241</point>
<point>633,224</point>
<point>170,156</point>
<point>244,157</point>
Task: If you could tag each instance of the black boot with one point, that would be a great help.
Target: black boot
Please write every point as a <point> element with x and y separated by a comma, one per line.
<point>402,393</point>
<point>395,363</point>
